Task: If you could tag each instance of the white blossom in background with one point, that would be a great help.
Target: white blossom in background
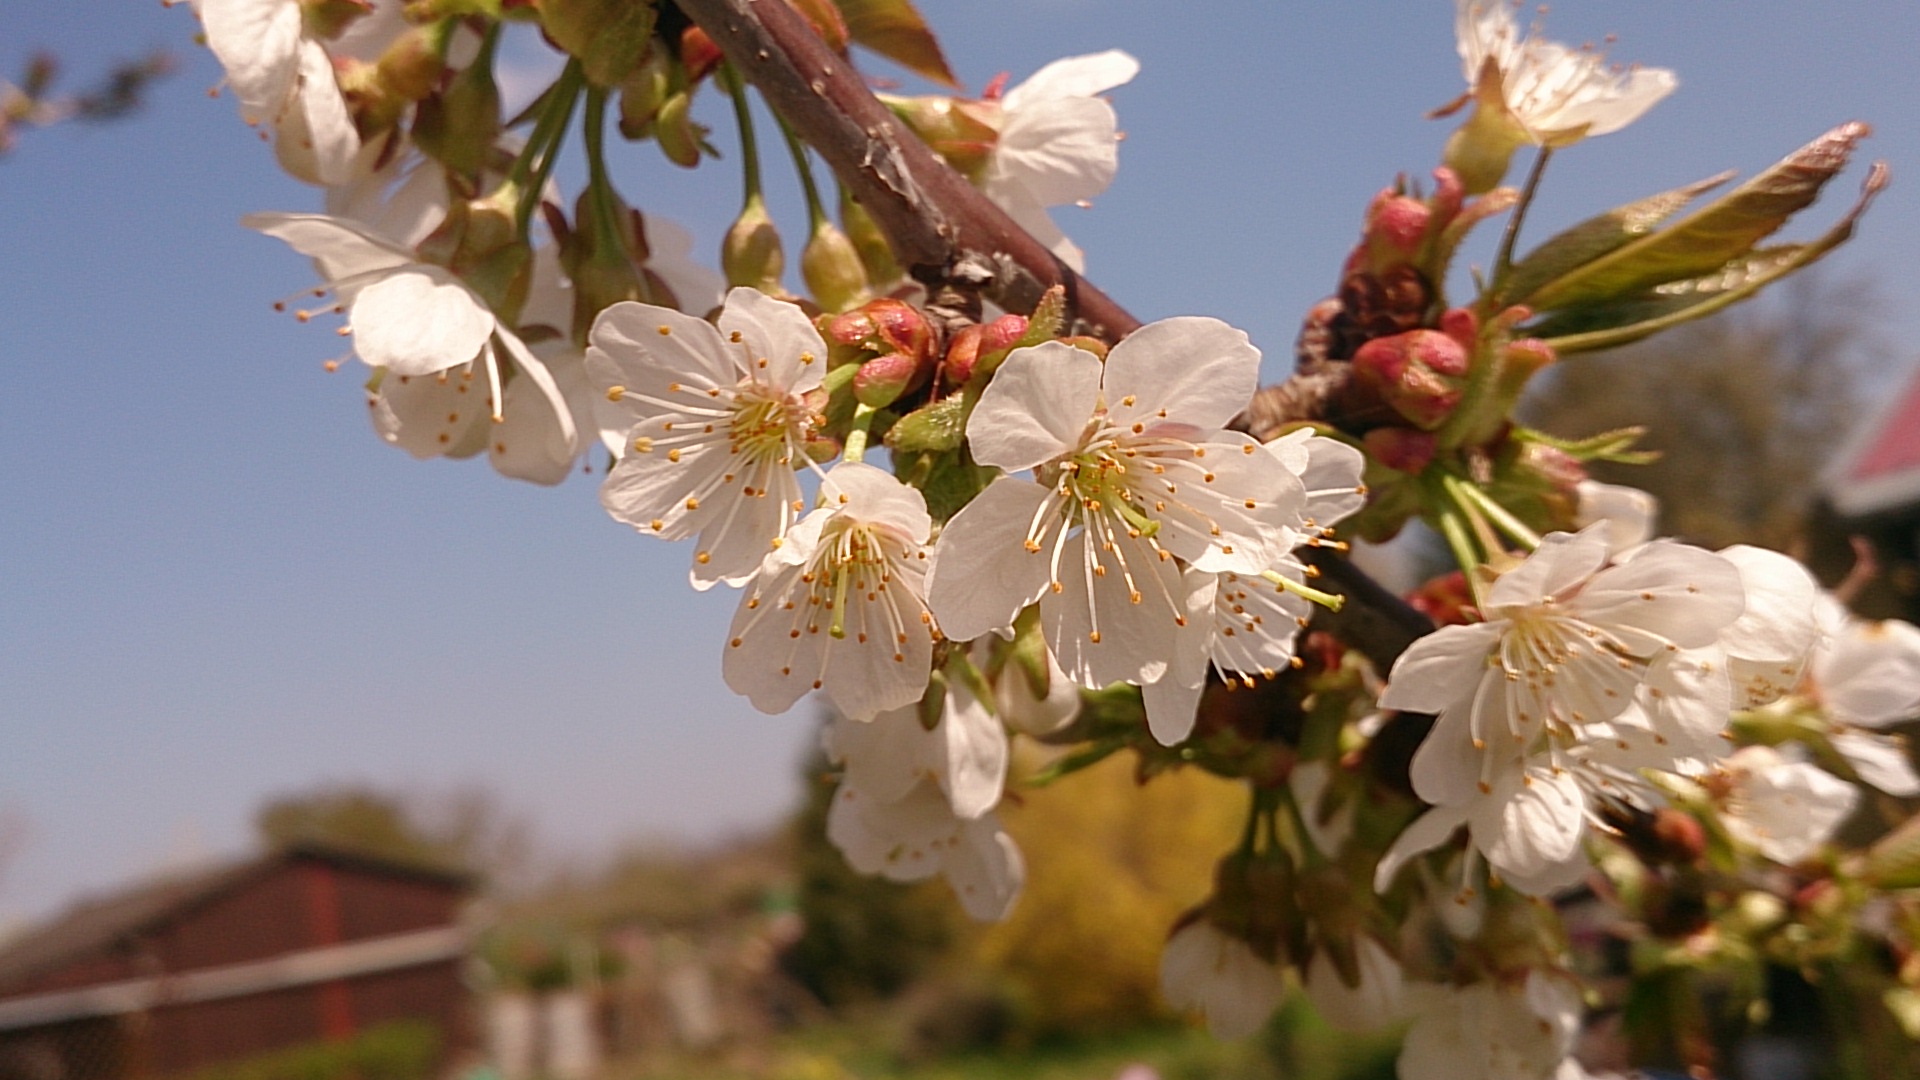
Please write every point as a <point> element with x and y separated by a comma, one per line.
<point>1865,676</point>
<point>913,803</point>
<point>1553,94</point>
<point>1628,513</point>
<point>965,754</point>
<point>717,422</point>
<point>1782,807</point>
<point>1769,645</point>
<point>1207,970</point>
<point>1058,144</point>
<point>284,76</point>
<point>1134,471</point>
<point>1376,1000</point>
<point>1033,713</point>
<point>839,605</point>
<point>1492,1030</point>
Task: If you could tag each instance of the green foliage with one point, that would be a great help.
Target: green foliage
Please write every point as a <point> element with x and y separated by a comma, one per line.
<point>403,1050</point>
<point>1111,865</point>
<point>464,830</point>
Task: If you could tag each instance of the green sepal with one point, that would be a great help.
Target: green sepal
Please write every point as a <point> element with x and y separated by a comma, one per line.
<point>937,428</point>
<point>896,30</point>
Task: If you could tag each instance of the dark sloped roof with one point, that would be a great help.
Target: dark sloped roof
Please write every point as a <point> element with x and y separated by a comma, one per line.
<point>1878,470</point>
<point>98,923</point>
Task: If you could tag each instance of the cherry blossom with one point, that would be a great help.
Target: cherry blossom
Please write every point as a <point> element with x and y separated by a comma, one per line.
<point>1376,999</point>
<point>1058,144</point>
<point>1205,969</point>
<point>964,753</point>
<point>918,835</point>
<point>1782,807</point>
<point>282,71</point>
<point>718,421</point>
<point>1134,471</point>
<point>1252,620</point>
<point>1551,94</point>
<point>839,605</point>
<point>1492,1030</point>
<point>416,320</point>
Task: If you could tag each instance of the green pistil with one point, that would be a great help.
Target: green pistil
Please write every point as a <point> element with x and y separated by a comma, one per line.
<point>838,628</point>
<point>1330,601</point>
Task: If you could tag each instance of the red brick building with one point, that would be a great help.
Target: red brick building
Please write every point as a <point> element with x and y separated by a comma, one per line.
<point>305,946</point>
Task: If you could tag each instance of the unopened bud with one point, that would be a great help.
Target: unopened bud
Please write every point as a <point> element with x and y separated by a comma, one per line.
<point>1419,373</point>
<point>1447,599</point>
<point>1396,226</point>
<point>608,37</point>
<point>1404,449</point>
<point>698,54</point>
<point>324,20</point>
<point>411,67</point>
<point>963,351</point>
<point>750,255</point>
<point>1462,325</point>
<point>644,91</point>
<point>875,253</point>
<point>881,380</point>
<point>963,132</point>
<point>832,269</point>
<point>673,128</point>
<point>885,325</point>
<point>458,126</point>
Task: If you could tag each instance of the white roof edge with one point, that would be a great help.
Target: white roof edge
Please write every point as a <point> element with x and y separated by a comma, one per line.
<point>364,957</point>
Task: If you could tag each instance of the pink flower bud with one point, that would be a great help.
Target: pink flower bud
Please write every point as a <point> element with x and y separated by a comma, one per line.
<point>881,380</point>
<point>698,54</point>
<point>1449,194</point>
<point>1446,599</point>
<point>963,351</point>
<point>1462,325</point>
<point>1418,373</point>
<point>1396,224</point>
<point>885,325</point>
<point>1400,448</point>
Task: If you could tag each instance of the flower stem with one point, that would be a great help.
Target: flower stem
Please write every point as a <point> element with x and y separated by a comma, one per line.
<point>743,119</point>
<point>856,448</point>
<point>535,163</point>
<point>1503,261</point>
<point>1454,528</point>
<point>816,211</point>
<point>1470,495</point>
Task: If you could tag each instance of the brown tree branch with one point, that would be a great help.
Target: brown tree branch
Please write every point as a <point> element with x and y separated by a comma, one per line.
<point>934,218</point>
<point>945,230</point>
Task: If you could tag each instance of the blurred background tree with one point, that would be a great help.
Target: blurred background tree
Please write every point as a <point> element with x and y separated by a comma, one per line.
<point>466,829</point>
<point>1745,408</point>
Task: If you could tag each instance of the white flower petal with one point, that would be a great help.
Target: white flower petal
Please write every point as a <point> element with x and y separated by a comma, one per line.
<point>1881,760</point>
<point>417,320</point>
<point>1204,969</point>
<point>779,345</point>
<point>1036,406</point>
<point>1073,76</point>
<point>981,575</point>
<point>257,41</point>
<point>1189,370</point>
<point>1059,151</point>
<point>1444,667</point>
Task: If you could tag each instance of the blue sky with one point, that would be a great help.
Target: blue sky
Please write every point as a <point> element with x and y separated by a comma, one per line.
<point>216,584</point>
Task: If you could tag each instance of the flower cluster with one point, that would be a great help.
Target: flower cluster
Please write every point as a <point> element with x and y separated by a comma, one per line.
<point>1092,538</point>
